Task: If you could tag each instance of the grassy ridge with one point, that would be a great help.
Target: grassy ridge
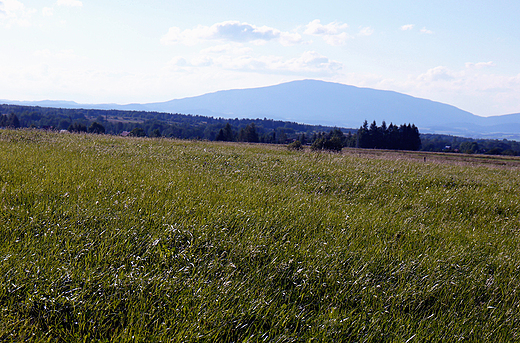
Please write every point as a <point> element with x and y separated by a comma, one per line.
<point>112,239</point>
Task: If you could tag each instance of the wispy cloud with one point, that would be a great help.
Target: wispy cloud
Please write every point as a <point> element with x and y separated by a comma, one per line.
<point>315,27</point>
<point>308,62</point>
<point>233,31</point>
<point>439,73</point>
<point>407,27</point>
<point>69,3</point>
<point>336,40</point>
<point>333,33</point>
<point>13,12</point>
<point>240,59</point>
<point>426,31</point>
<point>366,31</point>
<point>61,55</point>
<point>479,65</point>
<point>232,49</point>
<point>47,11</point>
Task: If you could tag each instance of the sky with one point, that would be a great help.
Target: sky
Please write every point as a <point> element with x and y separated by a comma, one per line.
<point>463,53</point>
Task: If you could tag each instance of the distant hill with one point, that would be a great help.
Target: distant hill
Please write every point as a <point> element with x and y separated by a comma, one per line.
<point>327,103</point>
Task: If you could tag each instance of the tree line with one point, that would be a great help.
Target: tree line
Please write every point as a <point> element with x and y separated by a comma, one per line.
<point>9,120</point>
<point>403,137</point>
<point>157,124</point>
<point>446,143</point>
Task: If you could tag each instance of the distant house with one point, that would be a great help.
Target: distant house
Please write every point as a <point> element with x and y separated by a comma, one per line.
<point>125,133</point>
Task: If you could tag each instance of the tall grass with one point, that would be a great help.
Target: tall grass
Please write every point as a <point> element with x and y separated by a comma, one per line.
<point>125,239</point>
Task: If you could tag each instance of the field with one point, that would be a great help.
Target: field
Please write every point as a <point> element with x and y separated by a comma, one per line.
<point>125,239</point>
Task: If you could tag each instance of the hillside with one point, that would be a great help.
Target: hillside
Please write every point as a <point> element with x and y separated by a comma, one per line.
<point>116,239</point>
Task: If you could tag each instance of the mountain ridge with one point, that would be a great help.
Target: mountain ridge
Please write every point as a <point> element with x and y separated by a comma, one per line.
<point>326,103</point>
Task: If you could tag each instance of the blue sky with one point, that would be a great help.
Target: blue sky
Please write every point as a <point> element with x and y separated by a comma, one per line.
<point>463,53</point>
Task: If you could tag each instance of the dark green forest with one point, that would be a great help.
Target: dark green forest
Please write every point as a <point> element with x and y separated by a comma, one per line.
<point>156,124</point>
<point>186,126</point>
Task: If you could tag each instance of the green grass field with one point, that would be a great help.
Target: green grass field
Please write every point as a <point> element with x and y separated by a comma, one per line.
<point>105,238</point>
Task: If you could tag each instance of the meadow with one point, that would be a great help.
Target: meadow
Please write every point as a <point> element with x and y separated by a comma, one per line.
<point>112,239</point>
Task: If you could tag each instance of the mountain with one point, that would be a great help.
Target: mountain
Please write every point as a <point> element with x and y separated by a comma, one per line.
<point>328,103</point>
<point>314,102</point>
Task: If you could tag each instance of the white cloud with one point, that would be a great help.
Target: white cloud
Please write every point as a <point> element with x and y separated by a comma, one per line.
<point>479,65</point>
<point>439,73</point>
<point>366,31</point>
<point>308,63</point>
<point>311,61</point>
<point>290,38</point>
<point>61,55</point>
<point>242,32</point>
<point>237,58</point>
<point>334,33</point>
<point>336,40</point>
<point>69,3</point>
<point>316,28</point>
<point>178,62</point>
<point>15,12</point>
<point>47,11</point>
<point>233,31</point>
<point>235,49</point>
<point>410,27</point>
